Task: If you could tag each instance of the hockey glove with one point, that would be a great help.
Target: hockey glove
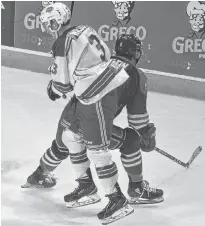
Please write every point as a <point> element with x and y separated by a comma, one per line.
<point>52,95</point>
<point>148,134</point>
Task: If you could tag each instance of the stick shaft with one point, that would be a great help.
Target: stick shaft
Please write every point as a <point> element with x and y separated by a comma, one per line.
<point>71,8</point>
<point>170,157</point>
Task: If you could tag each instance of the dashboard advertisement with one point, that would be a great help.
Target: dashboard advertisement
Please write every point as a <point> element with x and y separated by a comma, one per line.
<point>172,33</point>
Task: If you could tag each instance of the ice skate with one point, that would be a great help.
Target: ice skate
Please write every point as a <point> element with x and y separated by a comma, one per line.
<point>84,194</point>
<point>141,193</point>
<point>116,209</point>
<point>40,179</point>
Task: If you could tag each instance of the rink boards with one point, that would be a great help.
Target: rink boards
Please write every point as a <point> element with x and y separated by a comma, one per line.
<point>169,83</point>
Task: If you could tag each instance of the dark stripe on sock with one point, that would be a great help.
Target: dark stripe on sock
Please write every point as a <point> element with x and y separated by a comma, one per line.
<point>108,175</point>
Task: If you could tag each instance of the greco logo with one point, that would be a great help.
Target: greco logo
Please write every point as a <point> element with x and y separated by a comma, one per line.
<point>123,11</point>
<point>195,40</point>
<point>31,20</point>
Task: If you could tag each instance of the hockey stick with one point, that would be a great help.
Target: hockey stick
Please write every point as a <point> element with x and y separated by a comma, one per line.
<point>186,165</point>
<point>71,7</point>
<point>194,155</point>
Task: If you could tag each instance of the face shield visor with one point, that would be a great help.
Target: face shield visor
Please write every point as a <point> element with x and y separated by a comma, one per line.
<point>51,27</point>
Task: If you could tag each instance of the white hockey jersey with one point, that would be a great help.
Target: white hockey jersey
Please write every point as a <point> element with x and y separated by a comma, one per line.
<point>82,60</point>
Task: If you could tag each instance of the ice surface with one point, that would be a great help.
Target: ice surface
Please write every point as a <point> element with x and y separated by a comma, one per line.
<point>29,122</point>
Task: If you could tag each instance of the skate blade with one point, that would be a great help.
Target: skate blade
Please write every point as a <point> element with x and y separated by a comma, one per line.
<point>84,201</point>
<point>124,211</point>
<point>35,186</point>
<point>138,201</point>
<point>28,185</point>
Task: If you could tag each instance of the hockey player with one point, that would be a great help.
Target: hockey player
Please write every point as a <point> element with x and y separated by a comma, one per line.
<point>102,88</point>
<point>81,59</point>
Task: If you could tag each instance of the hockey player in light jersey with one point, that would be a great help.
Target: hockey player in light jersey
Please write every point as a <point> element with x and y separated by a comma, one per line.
<point>86,125</point>
<point>81,63</point>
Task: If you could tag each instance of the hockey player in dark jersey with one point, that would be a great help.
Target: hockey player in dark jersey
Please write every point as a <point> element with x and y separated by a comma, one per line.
<point>86,126</point>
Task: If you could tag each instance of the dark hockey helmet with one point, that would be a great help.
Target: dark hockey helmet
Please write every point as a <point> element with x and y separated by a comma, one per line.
<point>129,46</point>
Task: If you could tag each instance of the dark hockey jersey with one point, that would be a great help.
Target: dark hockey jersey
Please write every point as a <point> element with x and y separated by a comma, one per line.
<point>133,95</point>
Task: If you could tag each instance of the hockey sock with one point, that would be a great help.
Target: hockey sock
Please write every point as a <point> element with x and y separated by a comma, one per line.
<point>108,176</point>
<point>132,164</point>
<point>53,157</point>
<point>80,163</point>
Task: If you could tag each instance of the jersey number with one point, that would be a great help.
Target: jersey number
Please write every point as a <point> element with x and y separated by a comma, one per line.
<point>53,68</point>
<point>94,40</point>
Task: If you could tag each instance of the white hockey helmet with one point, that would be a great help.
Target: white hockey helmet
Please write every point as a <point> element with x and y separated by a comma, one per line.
<point>54,16</point>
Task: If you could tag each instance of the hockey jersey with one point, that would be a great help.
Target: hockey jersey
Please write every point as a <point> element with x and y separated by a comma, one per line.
<point>132,94</point>
<point>82,61</point>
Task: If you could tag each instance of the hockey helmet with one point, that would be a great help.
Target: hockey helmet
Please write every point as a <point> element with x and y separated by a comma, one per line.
<point>54,16</point>
<point>129,46</point>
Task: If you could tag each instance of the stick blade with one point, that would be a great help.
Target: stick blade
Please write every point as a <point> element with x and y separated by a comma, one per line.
<point>194,155</point>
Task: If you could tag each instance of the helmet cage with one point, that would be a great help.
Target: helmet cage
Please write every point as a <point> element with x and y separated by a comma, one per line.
<point>50,26</point>
<point>54,16</point>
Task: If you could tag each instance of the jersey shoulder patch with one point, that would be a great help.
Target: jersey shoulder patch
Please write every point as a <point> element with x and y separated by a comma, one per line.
<point>118,64</point>
<point>76,32</point>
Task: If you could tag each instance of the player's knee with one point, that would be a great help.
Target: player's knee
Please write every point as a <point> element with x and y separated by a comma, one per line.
<point>100,158</point>
<point>60,152</point>
<point>131,142</point>
<point>72,140</point>
<point>118,137</point>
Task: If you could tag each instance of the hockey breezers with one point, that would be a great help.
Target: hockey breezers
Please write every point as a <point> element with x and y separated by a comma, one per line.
<point>186,165</point>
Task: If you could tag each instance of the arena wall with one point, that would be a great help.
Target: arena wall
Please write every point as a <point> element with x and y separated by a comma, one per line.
<point>169,83</point>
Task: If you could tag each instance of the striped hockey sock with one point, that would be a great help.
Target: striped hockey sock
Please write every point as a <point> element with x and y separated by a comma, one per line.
<point>132,163</point>
<point>53,157</point>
